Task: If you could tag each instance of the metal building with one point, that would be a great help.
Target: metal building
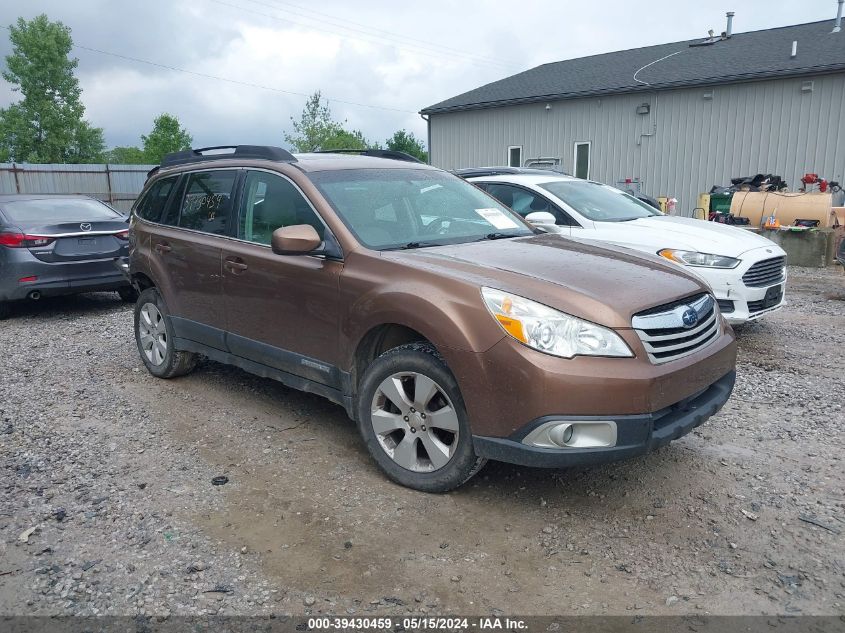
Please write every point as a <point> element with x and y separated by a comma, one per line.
<point>679,118</point>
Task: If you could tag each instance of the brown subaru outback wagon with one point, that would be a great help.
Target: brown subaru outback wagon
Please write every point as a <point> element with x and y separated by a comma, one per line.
<point>450,330</point>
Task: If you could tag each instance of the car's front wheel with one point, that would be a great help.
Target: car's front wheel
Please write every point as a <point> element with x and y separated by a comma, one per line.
<point>413,420</point>
<point>154,336</point>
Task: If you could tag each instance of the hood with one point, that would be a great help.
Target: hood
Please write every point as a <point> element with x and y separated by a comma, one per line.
<point>606,285</point>
<point>655,233</point>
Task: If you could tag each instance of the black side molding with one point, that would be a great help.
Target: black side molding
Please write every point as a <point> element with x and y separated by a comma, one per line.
<point>290,380</point>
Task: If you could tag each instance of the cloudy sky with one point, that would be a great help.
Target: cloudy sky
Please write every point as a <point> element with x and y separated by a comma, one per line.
<point>235,71</point>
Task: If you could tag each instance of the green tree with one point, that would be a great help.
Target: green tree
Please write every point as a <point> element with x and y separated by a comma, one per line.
<point>46,125</point>
<point>403,141</point>
<point>166,136</point>
<point>344,139</point>
<point>316,130</point>
<point>125,156</point>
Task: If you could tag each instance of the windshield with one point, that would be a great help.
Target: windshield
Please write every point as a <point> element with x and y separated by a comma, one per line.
<point>410,208</point>
<point>58,210</point>
<point>598,202</point>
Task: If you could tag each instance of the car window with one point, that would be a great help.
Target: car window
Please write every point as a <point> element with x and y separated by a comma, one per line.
<point>599,202</point>
<point>51,210</point>
<point>208,201</point>
<point>392,208</point>
<point>170,217</point>
<point>270,202</point>
<point>151,206</point>
<point>524,202</point>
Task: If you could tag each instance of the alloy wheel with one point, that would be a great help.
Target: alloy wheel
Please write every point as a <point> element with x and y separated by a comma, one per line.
<point>152,333</point>
<point>415,422</point>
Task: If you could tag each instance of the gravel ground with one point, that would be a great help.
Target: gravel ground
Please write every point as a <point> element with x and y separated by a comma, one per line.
<point>107,506</point>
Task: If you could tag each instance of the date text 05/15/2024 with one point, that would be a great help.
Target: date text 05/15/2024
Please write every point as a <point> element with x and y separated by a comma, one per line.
<point>430,623</point>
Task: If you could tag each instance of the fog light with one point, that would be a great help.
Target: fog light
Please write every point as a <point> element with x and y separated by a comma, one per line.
<point>561,434</point>
<point>573,434</point>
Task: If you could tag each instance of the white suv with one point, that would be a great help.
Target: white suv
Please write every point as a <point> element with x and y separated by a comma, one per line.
<point>746,271</point>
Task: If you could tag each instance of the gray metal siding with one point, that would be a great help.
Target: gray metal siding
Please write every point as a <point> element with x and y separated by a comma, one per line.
<point>745,129</point>
<point>118,185</point>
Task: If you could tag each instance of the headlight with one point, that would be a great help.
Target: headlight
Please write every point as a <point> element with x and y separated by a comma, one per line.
<point>692,258</point>
<point>550,331</point>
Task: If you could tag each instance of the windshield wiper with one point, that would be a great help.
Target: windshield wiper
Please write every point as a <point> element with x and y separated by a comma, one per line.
<point>497,236</point>
<point>411,245</point>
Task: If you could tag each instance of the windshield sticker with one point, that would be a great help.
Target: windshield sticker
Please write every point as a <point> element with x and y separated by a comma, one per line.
<point>497,218</point>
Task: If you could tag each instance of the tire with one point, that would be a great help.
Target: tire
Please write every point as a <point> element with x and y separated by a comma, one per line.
<point>420,441</point>
<point>5,310</point>
<point>154,337</point>
<point>128,294</point>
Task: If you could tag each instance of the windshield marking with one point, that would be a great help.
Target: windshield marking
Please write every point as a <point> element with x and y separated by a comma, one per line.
<point>498,219</point>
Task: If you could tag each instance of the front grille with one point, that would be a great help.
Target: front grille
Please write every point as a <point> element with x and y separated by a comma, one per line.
<point>726,306</point>
<point>667,337</point>
<point>765,273</point>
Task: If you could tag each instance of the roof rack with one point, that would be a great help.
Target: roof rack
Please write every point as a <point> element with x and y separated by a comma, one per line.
<point>475,172</point>
<point>263,152</point>
<point>376,153</point>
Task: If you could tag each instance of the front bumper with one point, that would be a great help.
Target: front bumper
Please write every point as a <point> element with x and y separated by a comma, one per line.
<point>510,385</point>
<point>636,434</point>
<point>740,303</point>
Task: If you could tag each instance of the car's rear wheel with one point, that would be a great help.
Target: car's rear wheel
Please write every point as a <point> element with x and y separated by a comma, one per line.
<point>5,310</point>
<point>154,336</point>
<point>413,420</point>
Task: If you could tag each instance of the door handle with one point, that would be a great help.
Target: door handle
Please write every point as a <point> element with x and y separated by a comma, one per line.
<point>162,247</point>
<point>235,264</point>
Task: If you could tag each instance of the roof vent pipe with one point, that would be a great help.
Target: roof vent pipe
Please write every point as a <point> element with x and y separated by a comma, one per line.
<point>794,49</point>
<point>837,25</point>
<point>730,16</point>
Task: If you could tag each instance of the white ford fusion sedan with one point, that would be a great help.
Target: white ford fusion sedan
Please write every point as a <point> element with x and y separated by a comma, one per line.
<point>746,271</point>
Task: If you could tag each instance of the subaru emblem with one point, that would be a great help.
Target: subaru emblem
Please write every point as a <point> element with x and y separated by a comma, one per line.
<point>85,226</point>
<point>689,317</point>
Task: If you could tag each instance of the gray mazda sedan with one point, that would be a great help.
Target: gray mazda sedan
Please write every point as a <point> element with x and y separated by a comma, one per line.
<point>60,244</point>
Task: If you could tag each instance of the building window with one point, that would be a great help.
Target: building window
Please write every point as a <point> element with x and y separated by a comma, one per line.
<point>582,160</point>
<point>515,156</point>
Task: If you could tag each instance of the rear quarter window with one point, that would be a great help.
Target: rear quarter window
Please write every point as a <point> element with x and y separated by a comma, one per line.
<point>152,204</point>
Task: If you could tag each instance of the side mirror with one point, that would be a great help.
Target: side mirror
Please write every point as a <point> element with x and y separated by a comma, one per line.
<point>298,239</point>
<point>540,217</point>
